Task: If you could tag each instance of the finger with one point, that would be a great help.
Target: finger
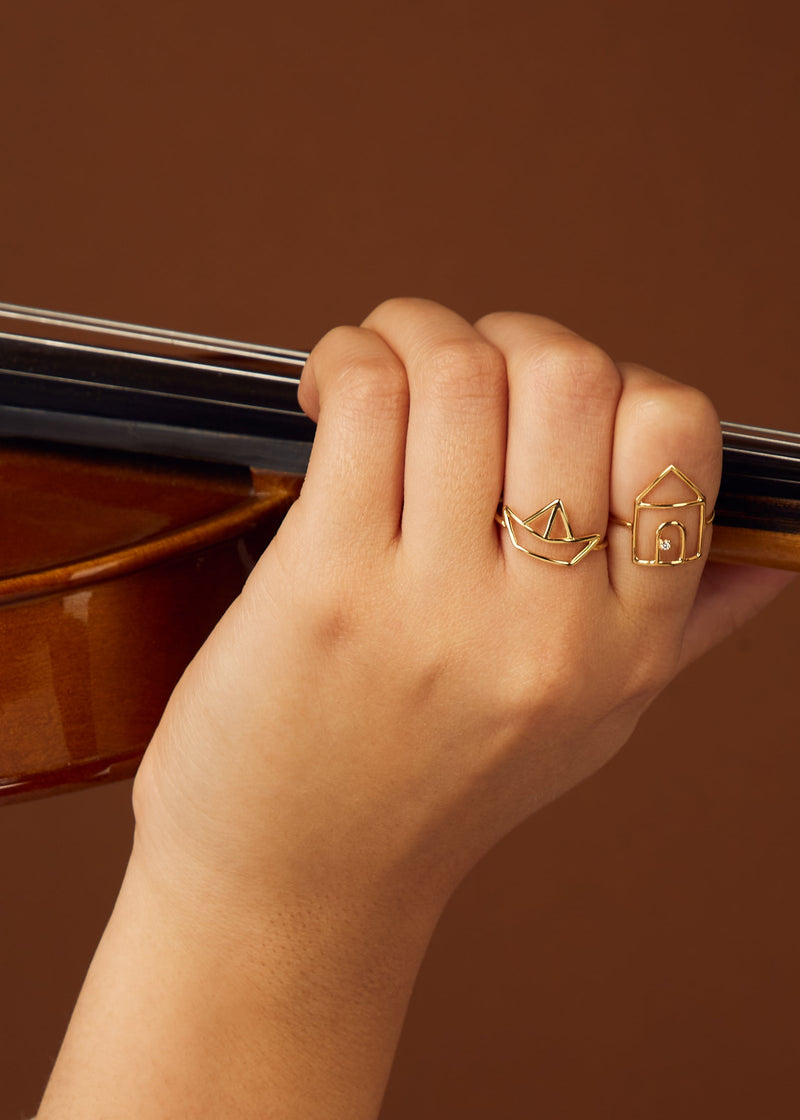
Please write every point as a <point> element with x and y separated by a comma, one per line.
<point>456,427</point>
<point>563,394</point>
<point>358,390</point>
<point>664,481</point>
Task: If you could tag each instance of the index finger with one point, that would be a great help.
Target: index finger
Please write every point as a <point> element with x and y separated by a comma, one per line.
<point>455,447</point>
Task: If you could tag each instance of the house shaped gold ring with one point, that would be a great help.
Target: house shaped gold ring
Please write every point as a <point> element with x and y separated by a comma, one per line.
<point>668,533</point>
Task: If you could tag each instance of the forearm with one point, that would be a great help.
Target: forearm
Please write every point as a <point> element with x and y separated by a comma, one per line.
<point>396,689</point>
<point>189,1015</point>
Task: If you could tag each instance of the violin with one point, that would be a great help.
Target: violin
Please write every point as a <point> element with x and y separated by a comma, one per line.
<point>142,473</point>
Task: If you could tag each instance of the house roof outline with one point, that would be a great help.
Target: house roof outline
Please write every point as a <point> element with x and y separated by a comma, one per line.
<point>697,496</point>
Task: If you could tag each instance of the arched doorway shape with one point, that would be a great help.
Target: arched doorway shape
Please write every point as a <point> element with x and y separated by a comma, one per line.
<point>665,551</point>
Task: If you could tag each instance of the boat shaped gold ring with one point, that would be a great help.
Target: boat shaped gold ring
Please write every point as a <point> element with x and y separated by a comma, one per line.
<point>547,535</point>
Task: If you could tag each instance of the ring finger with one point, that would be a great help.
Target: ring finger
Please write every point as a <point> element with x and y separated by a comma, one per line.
<point>664,482</point>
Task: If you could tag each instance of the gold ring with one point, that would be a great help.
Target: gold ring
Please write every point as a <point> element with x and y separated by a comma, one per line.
<point>661,540</point>
<point>575,548</point>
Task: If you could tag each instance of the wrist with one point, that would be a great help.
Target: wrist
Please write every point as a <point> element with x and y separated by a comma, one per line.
<point>199,1012</point>
<point>239,890</point>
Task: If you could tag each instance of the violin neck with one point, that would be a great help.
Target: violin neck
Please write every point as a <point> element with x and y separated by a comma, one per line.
<point>138,389</point>
<point>128,388</point>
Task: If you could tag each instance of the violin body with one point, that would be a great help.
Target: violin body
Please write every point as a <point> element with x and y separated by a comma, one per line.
<point>141,476</point>
<point>113,571</point>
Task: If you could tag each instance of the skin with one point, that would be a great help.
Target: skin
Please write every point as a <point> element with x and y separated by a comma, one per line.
<point>395,690</point>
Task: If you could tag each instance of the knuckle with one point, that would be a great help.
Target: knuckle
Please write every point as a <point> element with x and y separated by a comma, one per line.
<point>570,367</point>
<point>698,410</point>
<point>687,418</point>
<point>363,373</point>
<point>669,401</point>
<point>333,344</point>
<point>496,322</point>
<point>337,338</point>
<point>395,306</point>
<point>464,369</point>
<point>373,382</point>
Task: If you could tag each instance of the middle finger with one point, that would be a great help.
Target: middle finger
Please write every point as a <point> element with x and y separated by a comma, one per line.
<point>563,394</point>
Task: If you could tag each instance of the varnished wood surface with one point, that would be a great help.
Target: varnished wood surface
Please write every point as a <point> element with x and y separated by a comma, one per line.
<point>113,570</point>
<point>756,546</point>
<point>112,573</point>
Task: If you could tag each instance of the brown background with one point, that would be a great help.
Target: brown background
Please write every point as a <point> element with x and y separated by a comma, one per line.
<point>259,172</point>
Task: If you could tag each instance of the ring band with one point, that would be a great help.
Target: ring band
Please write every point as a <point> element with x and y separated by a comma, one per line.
<point>654,533</point>
<point>525,529</point>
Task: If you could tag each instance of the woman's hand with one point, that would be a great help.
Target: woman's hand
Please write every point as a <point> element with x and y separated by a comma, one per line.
<point>396,688</point>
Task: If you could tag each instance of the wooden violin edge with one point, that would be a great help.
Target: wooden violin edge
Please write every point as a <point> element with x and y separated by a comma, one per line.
<point>731,545</point>
<point>270,492</point>
<point>85,775</point>
<point>91,662</point>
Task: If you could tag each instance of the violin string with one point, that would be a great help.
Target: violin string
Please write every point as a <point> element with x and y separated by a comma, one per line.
<point>749,441</point>
<point>760,435</point>
<point>760,447</point>
<point>751,429</point>
<point>156,359</point>
<point>162,394</point>
<point>151,334</point>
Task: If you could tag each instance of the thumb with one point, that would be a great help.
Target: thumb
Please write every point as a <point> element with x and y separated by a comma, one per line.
<point>729,595</point>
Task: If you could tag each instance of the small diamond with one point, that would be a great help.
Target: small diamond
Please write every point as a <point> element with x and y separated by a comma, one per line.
<point>665,545</point>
